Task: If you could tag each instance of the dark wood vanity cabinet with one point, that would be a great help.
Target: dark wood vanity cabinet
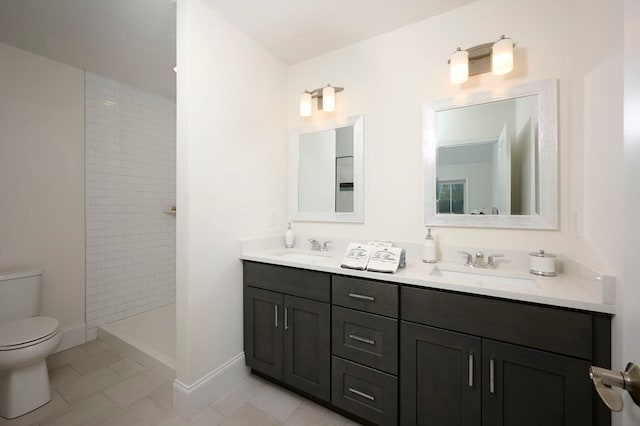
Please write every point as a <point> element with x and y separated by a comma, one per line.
<point>398,354</point>
<point>287,337</point>
<point>469,360</point>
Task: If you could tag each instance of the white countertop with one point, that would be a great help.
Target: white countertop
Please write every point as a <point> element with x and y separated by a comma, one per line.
<point>565,290</point>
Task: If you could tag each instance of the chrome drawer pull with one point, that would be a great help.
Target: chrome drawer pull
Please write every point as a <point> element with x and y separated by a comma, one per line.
<point>276,314</point>
<point>362,394</point>
<point>360,296</point>
<point>286,318</point>
<point>492,373</point>
<point>470,370</point>
<point>362,339</point>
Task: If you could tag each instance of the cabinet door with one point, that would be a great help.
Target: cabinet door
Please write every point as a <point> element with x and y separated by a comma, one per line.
<point>307,353</point>
<point>263,325</point>
<point>528,387</point>
<point>439,377</point>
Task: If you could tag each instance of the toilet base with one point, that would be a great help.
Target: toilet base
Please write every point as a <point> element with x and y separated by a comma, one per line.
<point>24,389</point>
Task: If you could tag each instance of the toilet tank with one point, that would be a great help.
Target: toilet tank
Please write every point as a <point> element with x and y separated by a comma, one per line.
<point>19,294</point>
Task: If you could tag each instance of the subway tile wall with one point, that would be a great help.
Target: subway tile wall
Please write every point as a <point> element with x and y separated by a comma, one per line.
<point>130,146</point>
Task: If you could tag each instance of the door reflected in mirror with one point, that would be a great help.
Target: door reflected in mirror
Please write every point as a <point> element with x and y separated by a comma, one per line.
<point>327,172</point>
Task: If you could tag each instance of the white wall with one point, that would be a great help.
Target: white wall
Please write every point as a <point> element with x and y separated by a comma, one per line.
<point>41,178</point>
<point>231,171</point>
<point>130,181</point>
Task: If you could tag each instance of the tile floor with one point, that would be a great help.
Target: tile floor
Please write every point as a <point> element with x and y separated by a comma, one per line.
<point>92,384</point>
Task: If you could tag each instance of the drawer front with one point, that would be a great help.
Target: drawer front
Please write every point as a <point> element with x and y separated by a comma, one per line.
<point>365,295</point>
<point>369,339</point>
<point>296,282</point>
<point>365,392</point>
<point>551,329</point>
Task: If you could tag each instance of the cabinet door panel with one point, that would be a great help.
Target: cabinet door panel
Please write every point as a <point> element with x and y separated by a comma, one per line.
<point>439,376</point>
<point>532,388</point>
<point>263,331</point>
<point>307,354</point>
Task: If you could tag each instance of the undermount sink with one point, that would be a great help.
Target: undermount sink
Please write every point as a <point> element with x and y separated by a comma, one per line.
<point>306,256</point>
<point>482,277</point>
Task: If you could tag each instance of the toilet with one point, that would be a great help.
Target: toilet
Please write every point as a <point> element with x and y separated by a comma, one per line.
<point>26,340</point>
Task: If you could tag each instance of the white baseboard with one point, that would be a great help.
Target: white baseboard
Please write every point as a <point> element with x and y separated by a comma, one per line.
<point>190,400</point>
<point>72,335</point>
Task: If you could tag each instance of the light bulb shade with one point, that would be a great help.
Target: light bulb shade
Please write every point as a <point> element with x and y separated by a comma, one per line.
<point>459,67</point>
<point>305,104</point>
<point>328,99</point>
<point>502,56</point>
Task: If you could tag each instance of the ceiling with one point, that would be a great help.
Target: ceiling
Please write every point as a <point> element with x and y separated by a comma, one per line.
<point>134,41</point>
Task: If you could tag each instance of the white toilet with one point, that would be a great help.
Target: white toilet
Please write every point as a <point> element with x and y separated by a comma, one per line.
<point>26,339</point>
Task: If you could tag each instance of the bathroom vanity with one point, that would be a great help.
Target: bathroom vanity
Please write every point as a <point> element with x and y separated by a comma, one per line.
<point>397,349</point>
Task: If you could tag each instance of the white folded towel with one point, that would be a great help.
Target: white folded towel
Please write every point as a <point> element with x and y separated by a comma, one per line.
<point>384,259</point>
<point>357,256</point>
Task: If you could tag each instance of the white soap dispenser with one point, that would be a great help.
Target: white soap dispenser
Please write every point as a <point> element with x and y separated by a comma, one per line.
<point>289,237</point>
<point>429,248</point>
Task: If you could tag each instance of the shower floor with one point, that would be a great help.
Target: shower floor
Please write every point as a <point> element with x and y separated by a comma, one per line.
<point>149,338</point>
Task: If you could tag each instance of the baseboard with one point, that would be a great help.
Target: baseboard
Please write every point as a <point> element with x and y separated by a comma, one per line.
<point>190,400</point>
<point>72,335</point>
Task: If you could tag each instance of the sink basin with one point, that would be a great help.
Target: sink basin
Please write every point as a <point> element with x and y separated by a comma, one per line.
<point>307,256</point>
<point>482,277</point>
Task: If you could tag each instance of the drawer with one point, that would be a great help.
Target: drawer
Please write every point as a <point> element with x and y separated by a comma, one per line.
<point>551,329</point>
<point>365,295</point>
<point>296,282</point>
<point>369,339</point>
<point>365,392</point>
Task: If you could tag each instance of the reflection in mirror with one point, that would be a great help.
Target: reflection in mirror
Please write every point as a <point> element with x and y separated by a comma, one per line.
<point>326,171</point>
<point>491,161</point>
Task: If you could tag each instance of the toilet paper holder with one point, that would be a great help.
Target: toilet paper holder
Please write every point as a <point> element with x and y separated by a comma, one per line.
<point>605,380</point>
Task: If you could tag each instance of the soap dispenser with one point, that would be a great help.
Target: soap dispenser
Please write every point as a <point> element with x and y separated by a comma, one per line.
<point>289,237</point>
<point>429,248</point>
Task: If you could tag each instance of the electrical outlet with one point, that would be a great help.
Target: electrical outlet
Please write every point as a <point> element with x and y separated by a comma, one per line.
<point>271,217</point>
<point>576,223</point>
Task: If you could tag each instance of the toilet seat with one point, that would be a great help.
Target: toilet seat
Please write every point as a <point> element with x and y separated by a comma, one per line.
<point>27,332</point>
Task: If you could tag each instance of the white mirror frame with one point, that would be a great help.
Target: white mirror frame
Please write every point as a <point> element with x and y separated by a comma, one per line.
<point>547,154</point>
<point>357,216</point>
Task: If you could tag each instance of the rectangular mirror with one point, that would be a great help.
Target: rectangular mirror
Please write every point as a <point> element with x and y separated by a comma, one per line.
<point>490,160</point>
<point>326,171</point>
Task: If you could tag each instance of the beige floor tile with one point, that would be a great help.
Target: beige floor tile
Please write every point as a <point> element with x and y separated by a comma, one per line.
<point>91,411</point>
<point>56,405</point>
<point>94,346</point>
<point>133,388</point>
<point>308,414</point>
<point>126,367</point>
<point>207,417</point>
<point>89,384</point>
<point>61,375</point>
<point>275,401</point>
<point>237,396</point>
<point>248,415</point>
<point>173,420</point>
<point>64,357</point>
<point>95,361</point>
<point>143,412</point>
<point>163,396</point>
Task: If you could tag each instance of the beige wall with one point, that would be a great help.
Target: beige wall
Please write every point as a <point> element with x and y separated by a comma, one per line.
<point>231,171</point>
<point>42,177</point>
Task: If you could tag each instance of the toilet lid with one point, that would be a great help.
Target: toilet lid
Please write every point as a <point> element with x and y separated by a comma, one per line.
<point>27,330</point>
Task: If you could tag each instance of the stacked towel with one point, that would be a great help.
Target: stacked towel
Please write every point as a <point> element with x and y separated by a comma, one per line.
<point>385,259</point>
<point>357,256</point>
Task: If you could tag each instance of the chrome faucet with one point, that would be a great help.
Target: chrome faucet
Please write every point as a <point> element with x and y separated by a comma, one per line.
<point>315,244</point>
<point>479,261</point>
<point>325,246</point>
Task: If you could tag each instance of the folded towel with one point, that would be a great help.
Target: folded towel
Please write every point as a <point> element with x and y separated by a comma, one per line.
<point>357,256</point>
<point>384,259</point>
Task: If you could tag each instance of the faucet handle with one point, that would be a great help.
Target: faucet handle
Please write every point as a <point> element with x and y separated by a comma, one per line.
<point>469,257</point>
<point>324,246</point>
<point>315,244</point>
<point>490,263</point>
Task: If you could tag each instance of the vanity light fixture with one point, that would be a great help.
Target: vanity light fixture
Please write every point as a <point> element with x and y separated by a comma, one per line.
<point>496,57</point>
<point>326,99</point>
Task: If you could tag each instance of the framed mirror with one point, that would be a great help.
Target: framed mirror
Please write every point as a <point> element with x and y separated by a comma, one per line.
<point>491,159</point>
<point>327,172</point>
